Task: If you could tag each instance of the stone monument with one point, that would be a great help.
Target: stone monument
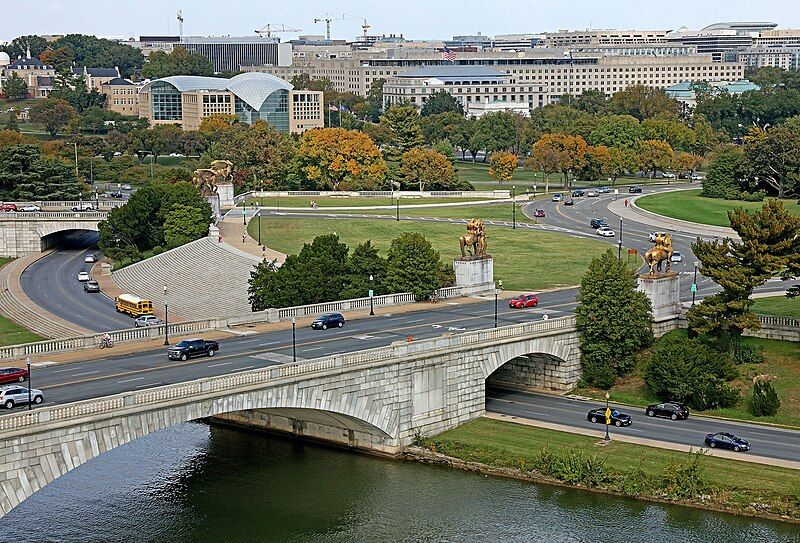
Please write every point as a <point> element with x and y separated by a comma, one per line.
<point>475,269</point>
<point>663,288</point>
<point>210,180</point>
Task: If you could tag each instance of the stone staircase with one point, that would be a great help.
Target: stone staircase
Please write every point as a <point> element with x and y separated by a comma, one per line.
<point>204,279</point>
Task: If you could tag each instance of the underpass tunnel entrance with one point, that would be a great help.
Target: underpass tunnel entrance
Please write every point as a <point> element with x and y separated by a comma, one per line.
<point>535,371</point>
<point>71,239</point>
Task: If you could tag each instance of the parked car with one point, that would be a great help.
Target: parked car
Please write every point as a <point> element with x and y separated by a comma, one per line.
<point>578,193</point>
<point>724,440</point>
<point>90,258</point>
<point>83,206</point>
<point>147,320</point>
<point>696,177</point>
<point>91,286</point>
<point>672,410</point>
<point>539,213</point>
<point>604,190</point>
<point>9,207</point>
<point>676,257</point>
<point>557,197</point>
<point>669,175</point>
<point>11,395</point>
<point>633,190</point>
<point>13,375</point>
<point>126,187</point>
<point>617,418</point>
<point>524,300</point>
<point>569,202</point>
<point>83,276</point>
<point>606,232</point>
<point>328,320</point>
<point>189,348</point>
<point>592,194</point>
<point>597,223</point>
<point>31,208</point>
<point>115,194</point>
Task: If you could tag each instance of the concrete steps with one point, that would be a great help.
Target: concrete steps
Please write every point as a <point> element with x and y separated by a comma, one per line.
<point>203,279</point>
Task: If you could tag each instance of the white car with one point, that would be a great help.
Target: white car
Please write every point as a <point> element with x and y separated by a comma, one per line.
<point>557,197</point>
<point>83,206</point>
<point>147,320</point>
<point>696,177</point>
<point>676,257</point>
<point>126,187</point>
<point>90,258</point>
<point>83,276</point>
<point>604,190</point>
<point>31,208</point>
<point>606,232</point>
<point>669,175</point>
<point>592,194</point>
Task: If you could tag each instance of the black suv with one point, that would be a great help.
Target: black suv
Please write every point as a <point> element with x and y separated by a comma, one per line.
<point>597,223</point>
<point>189,348</point>
<point>578,193</point>
<point>635,189</point>
<point>673,410</point>
<point>328,320</point>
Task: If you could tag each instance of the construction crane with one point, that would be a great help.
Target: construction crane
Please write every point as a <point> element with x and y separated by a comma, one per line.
<point>328,18</point>
<point>180,23</point>
<point>270,29</point>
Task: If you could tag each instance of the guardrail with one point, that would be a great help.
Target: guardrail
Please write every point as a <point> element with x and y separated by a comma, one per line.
<point>270,315</point>
<point>28,215</point>
<point>492,194</point>
<point>232,382</point>
<point>72,203</point>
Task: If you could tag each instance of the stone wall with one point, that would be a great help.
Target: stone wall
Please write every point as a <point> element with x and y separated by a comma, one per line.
<point>22,236</point>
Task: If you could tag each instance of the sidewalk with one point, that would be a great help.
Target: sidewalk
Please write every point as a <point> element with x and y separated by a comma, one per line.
<point>231,229</point>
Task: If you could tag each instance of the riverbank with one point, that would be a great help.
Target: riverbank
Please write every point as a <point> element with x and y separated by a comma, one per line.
<point>547,456</point>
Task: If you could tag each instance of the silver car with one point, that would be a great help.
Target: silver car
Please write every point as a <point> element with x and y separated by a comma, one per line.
<point>147,320</point>
<point>11,395</point>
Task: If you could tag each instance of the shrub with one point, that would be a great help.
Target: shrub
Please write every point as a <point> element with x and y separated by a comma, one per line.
<point>157,250</point>
<point>757,196</point>
<point>765,401</point>
<point>745,354</point>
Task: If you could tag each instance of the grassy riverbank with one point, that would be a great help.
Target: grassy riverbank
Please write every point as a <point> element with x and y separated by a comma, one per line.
<point>633,470</point>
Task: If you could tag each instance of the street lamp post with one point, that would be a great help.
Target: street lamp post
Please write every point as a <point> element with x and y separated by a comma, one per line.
<point>258,213</point>
<point>619,249</point>
<point>513,208</point>
<point>608,417</point>
<point>496,292</point>
<point>244,212</point>
<point>371,296</point>
<point>166,317</point>
<point>294,341</point>
<point>28,364</point>
<point>694,283</point>
<point>398,206</point>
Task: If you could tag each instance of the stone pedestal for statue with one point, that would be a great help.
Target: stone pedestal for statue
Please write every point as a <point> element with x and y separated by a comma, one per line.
<point>474,275</point>
<point>664,292</point>
<point>216,210</point>
<point>225,193</point>
<point>213,233</point>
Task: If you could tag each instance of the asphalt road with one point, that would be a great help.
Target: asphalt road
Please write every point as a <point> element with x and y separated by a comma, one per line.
<point>52,283</point>
<point>764,441</point>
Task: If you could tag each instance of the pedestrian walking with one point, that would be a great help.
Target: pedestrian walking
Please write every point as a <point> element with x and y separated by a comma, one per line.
<point>244,237</point>
<point>219,239</point>
<point>626,202</point>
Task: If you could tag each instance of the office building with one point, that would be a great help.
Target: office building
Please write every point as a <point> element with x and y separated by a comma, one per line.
<point>96,77</point>
<point>684,92</point>
<point>39,77</point>
<point>122,96</point>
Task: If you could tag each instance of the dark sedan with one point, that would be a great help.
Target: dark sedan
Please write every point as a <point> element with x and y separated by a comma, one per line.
<point>617,418</point>
<point>328,320</point>
<point>13,375</point>
<point>578,193</point>
<point>569,202</point>
<point>672,410</point>
<point>724,440</point>
<point>634,190</point>
<point>597,223</point>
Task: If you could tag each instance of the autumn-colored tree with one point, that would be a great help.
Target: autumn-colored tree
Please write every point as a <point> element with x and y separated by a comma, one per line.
<point>622,161</point>
<point>545,158</point>
<point>598,162</point>
<point>502,165</point>
<point>427,168</point>
<point>336,158</point>
<point>12,137</point>
<point>53,113</point>
<point>687,162</point>
<point>655,155</point>
<point>216,123</point>
<point>566,153</point>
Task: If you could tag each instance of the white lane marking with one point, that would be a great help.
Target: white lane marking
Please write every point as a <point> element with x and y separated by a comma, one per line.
<point>220,364</point>
<point>243,368</point>
<point>268,343</point>
<point>436,325</point>
<point>63,370</point>
<point>456,329</point>
<point>241,332</point>
<point>129,380</point>
<point>313,349</point>
<point>84,373</point>
<point>42,364</point>
<point>151,385</point>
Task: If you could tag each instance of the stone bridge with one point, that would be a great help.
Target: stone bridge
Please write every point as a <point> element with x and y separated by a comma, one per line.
<point>25,233</point>
<point>376,400</point>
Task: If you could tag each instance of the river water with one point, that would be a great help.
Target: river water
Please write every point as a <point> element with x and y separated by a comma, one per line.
<point>192,483</point>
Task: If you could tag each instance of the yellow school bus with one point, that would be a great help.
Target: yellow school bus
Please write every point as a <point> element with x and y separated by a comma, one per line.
<point>133,305</point>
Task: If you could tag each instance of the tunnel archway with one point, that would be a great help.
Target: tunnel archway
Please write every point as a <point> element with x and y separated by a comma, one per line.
<point>534,371</point>
<point>76,239</point>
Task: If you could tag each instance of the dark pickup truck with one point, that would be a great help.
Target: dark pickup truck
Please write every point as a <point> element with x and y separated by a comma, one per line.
<point>189,348</point>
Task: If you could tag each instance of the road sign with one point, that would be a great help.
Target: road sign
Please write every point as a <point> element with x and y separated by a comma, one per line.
<point>616,191</point>
<point>694,287</point>
<point>370,292</point>
<point>608,415</point>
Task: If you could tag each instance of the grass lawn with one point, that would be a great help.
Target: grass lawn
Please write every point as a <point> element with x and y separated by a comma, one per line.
<point>690,206</point>
<point>12,333</point>
<point>782,362</point>
<point>523,259</point>
<point>505,444</point>
<point>778,305</point>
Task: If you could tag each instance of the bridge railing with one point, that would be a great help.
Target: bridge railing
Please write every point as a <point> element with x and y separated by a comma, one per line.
<point>408,194</point>
<point>79,215</point>
<point>232,382</point>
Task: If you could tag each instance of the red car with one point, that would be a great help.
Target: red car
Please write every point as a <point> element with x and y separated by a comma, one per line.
<point>9,207</point>
<point>13,375</point>
<point>538,213</point>
<point>524,300</point>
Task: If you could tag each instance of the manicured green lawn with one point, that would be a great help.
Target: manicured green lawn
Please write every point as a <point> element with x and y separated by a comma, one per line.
<point>523,259</point>
<point>782,362</point>
<point>688,205</point>
<point>505,444</point>
<point>12,333</point>
<point>778,305</point>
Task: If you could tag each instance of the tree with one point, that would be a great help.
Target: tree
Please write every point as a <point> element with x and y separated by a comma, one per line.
<point>374,102</point>
<point>725,175</point>
<point>12,137</point>
<point>622,160</point>
<point>765,401</point>
<point>178,62</point>
<point>561,119</point>
<point>644,102</point>
<point>774,156</point>
<point>263,285</point>
<point>426,168</point>
<point>565,153</point>
<point>412,266</point>
<point>75,93</point>
<point>19,47</point>
<point>335,158</point>
<point>655,156</point>
<point>598,163</point>
<point>441,102</point>
<point>768,245</point>
<point>362,264</point>
<point>544,156</point>
<point>687,163</point>
<point>216,123</point>
<point>404,124</point>
<point>15,88</point>
<point>26,174</point>
<point>613,320</point>
<point>496,131</point>
<point>502,166</point>
<point>184,224</point>
<point>621,131</point>
<point>679,136</point>
<point>91,51</point>
<point>53,113</point>
<point>11,122</point>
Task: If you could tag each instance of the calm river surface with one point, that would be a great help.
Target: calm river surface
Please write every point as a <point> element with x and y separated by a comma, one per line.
<point>195,484</point>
